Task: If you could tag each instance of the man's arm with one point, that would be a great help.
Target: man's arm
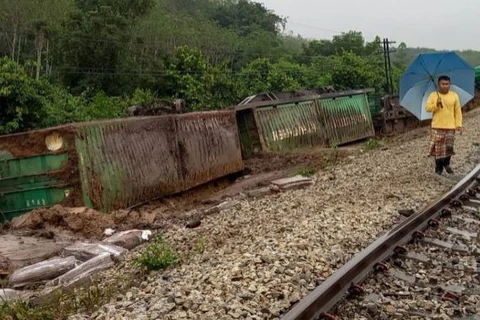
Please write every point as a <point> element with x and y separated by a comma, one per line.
<point>458,113</point>
<point>431,105</point>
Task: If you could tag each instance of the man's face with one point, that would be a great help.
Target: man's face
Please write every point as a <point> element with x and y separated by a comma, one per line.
<point>444,86</point>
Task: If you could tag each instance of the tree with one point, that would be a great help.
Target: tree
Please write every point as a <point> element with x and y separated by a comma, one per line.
<point>90,62</point>
<point>21,98</point>
<point>287,76</point>
<point>255,76</point>
<point>351,71</point>
<point>401,56</point>
<point>351,41</point>
<point>130,9</point>
<point>246,17</point>
<point>189,78</point>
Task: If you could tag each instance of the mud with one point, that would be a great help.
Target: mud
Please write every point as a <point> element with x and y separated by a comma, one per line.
<point>87,223</point>
<point>32,143</point>
<point>317,159</point>
<point>18,250</point>
<point>77,222</point>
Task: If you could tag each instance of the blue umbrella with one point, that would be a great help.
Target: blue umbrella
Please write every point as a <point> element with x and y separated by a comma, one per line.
<point>421,79</point>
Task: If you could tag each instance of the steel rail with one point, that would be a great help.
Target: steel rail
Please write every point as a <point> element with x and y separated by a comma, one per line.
<point>334,288</point>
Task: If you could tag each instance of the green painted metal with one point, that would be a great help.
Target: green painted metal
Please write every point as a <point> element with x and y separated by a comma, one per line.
<point>248,132</point>
<point>329,120</point>
<point>114,164</point>
<point>477,76</point>
<point>129,161</point>
<point>14,204</point>
<point>104,181</point>
<point>375,104</point>
<point>27,183</point>
<point>31,165</point>
<point>289,126</point>
<point>347,118</point>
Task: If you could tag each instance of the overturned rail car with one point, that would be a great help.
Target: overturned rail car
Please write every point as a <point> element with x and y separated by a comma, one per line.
<point>108,165</point>
<point>268,124</point>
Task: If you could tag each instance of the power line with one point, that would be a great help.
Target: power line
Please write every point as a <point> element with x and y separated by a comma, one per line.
<point>320,28</point>
<point>315,27</point>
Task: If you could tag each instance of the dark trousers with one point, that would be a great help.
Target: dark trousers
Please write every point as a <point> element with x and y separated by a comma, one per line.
<point>442,163</point>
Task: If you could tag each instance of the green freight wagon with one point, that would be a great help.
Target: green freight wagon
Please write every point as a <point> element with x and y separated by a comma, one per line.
<point>477,77</point>
<point>314,120</point>
<point>108,165</point>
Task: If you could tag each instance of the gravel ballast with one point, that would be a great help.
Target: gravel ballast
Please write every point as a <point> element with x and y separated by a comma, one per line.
<point>264,255</point>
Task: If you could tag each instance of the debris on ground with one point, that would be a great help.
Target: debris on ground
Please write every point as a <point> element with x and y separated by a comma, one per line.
<point>18,250</point>
<point>296,182</point>
<point>41,272</point>
<point>86,251</point>
<point>222,206</point>
<point>406,212</point>
<point>84,222</point>
<point>88,223</point>
<point>98,263</point>
<point>274,250</point>
<point>128,239</point>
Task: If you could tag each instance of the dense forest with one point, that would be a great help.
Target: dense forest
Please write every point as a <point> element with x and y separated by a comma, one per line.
<point>79,60</point>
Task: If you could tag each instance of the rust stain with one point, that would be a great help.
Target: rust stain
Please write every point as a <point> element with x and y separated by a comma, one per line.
<point>135,161</point>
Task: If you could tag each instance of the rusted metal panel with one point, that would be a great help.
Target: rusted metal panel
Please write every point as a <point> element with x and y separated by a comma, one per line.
<point>115,164</point>
<point>346,118</point>
<point>323,119</point>
<point>289,126</point>
<point>126,162</point>
<point>209,146</point>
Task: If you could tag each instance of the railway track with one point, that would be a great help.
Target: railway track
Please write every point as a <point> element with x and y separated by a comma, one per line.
<point>427,267</point>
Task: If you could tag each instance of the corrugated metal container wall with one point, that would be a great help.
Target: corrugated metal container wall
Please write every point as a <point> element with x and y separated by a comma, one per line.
<point>126,162</point>
<point>329,119</point>
<point>289,126</point>
<point>209,146</point>
<point>134,160</point>
<point>116,164</point>
<point>347,118</point>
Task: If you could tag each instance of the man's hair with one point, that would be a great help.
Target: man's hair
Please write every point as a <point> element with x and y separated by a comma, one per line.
<point>446,78</point>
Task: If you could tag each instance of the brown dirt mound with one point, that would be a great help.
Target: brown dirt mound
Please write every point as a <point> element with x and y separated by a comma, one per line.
<point>85,222</point>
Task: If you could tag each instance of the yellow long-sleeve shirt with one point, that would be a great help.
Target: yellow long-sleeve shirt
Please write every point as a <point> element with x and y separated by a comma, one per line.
<point>448,117</point>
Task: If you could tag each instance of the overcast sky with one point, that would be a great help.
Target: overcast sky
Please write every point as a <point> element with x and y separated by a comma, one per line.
<point>438,24</point>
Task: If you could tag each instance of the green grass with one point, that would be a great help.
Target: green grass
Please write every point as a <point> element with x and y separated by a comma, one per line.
<point>157,255</point>
<point>304,171</point>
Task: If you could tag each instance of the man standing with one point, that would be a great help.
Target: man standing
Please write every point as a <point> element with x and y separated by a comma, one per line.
<point>446,118</point>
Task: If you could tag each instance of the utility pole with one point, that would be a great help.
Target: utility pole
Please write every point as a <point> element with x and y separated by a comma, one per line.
<point>388,64</point>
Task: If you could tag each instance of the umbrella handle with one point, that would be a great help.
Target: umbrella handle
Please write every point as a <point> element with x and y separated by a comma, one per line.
<point>436,90</point>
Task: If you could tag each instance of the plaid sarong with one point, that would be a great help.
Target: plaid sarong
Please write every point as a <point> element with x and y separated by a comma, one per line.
<point>441,143</point>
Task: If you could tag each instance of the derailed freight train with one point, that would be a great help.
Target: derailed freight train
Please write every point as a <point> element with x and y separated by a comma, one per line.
<point>120,163</point>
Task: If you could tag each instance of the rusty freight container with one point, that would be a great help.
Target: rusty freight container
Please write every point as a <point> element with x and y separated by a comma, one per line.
<point>115,164</point>
<point>307,121</point>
